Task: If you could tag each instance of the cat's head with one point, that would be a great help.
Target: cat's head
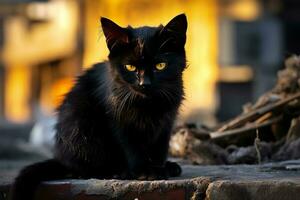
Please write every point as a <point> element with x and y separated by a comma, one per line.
<point>147,58</point>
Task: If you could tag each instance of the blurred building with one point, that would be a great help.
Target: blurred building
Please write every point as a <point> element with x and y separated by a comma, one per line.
<point>234,49</point>
<point>41,49</point>
<point>252,49</point>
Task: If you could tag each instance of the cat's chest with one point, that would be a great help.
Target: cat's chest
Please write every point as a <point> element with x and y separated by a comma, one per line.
<point>148,125</point>
<point>140,119</point>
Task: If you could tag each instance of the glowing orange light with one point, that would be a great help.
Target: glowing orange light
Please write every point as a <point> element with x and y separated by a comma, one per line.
<point>59,89</point>
<point>17,94</point>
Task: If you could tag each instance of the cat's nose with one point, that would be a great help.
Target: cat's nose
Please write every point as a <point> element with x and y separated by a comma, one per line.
<point>144,81</point>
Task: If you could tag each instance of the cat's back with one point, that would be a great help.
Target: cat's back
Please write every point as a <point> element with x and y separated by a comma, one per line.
<point>84,104</point>
<point>83,125</point>
<point>88,87</point>
<point>92,79</point>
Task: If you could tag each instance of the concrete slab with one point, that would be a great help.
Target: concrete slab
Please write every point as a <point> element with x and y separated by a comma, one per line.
<point>270,181</point>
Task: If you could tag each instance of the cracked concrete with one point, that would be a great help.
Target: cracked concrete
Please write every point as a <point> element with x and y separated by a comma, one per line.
<point>274,181</point>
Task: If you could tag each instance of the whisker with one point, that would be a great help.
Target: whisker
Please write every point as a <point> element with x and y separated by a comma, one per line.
<point>166,95</point>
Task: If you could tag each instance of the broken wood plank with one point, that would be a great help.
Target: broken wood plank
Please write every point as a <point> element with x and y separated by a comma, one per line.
<point>252,115</point>
<point>250,126</point>
<point>239,135</point>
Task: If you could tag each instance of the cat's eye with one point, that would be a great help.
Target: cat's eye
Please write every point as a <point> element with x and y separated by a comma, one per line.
<point>160,66</point>
<point>130,68</point>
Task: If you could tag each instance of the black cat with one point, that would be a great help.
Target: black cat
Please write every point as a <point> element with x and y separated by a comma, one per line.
<point>117,119</point>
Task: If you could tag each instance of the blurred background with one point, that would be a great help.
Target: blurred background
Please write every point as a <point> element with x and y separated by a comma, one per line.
<point>234,49</point>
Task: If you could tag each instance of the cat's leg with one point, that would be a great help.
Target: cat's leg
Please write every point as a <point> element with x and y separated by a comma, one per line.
<point>146,162</point>
<point>138,163</point>
<point>137,156</point>
<point>159,154</point>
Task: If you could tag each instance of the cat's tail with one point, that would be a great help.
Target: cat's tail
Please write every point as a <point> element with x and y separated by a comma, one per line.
<point>30,177</point>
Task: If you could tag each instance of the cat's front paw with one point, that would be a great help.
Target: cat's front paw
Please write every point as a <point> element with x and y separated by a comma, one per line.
<point>173,169</point>
<point>151,173</point>
<point>125,175</point>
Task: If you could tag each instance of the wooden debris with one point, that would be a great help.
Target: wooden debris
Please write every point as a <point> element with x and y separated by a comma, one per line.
<point>184,144</point>
<point>294,131</point>
<point>275,115</point>
<point>244,135</point>
<point>255,114</point>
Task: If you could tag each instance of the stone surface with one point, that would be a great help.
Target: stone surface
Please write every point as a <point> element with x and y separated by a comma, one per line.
<point>258,190</point>
<point>115,189</point>
<point>274,181</point>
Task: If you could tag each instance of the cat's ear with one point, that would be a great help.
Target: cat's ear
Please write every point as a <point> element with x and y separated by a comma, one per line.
<point>113,33</point>
<point>177,25</point>
<point>174,33</point>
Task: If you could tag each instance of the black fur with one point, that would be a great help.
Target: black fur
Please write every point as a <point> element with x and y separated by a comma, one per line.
<point>114,124</point>
<point>31,176</point>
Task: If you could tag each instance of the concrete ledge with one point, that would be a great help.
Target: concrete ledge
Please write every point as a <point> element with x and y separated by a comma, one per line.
<point>258,190</point>
<point>277,181</point>
<point>115,189</point>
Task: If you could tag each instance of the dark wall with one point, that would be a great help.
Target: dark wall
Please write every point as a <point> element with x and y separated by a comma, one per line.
<point>291,20</point>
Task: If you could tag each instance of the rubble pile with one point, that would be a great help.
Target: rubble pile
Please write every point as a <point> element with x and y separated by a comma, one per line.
<point>268,130</point>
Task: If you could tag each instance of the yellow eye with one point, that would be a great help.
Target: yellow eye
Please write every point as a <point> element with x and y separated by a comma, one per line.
<point>160,66</point>
<point>130,68</point>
